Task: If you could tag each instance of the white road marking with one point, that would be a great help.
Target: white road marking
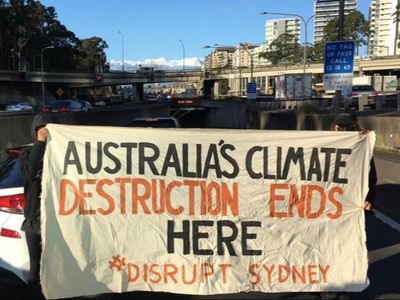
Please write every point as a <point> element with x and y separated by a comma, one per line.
<point>382,253</point>
<point>385,219</point>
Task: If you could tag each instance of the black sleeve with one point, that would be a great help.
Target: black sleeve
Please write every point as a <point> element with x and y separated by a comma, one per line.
<point>372,180</point>
<point>32,161</point>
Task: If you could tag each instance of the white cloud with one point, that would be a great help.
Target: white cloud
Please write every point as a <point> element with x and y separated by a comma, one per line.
<point>159,63</point>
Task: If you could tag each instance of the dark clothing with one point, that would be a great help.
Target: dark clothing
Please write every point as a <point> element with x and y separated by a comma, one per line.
<point>31,161</point>
<point>372,180</point>
<point>34,242</point>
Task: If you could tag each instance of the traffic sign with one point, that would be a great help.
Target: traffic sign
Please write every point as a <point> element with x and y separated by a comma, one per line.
<point>338,66</point>
<point>252,90</point>
<point>59,92</point>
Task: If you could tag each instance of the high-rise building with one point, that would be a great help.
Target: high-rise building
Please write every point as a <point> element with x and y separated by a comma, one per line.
<point>382,38</point>
<point>222,57</point>
<point>274,28</point>
<point>326,10</point>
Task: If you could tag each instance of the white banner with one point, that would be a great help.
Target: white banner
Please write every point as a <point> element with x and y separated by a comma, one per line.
<point>203,211</point>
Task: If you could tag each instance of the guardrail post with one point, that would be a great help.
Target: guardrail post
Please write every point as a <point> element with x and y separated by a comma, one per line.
<point>398,101</point>
<point>361,102</point>
<point>379,102</point>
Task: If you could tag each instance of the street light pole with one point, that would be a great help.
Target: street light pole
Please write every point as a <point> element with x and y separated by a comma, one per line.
<point>122,41</point>
<point>305,31</point>
<point>183,53</point>
<point>41,71</point>
<point>251,61</point>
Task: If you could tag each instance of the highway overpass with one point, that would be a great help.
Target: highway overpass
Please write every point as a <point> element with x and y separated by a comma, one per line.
<point>80,80</point>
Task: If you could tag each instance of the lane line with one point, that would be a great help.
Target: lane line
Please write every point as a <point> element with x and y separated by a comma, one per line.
<point>385,219</point>
<point>383,253</point>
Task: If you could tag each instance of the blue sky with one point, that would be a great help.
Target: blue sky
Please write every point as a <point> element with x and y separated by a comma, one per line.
<point>152,28</point>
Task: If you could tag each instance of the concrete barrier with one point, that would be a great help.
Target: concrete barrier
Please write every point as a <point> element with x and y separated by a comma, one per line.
<point>15,130</point>
<point>361,102</point>
<point>379,102</point>
<point>398,102</point>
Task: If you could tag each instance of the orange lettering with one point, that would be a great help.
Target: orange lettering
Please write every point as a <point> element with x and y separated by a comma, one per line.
<point>253,273</point>
<point>269,272</point>
<point>339,206</point>
<point>170,209</point>
<point>312,274</point>
<point>324,271</point>
<point>132,278</point>
<point>204,272</point>
<point>310,190</point>
<point>281,276</point>
<point>122,182</point>
<point>102,193</point>
<point>140,198</point>
<point>229,199</point>
<point>63,195</point>
<point>274,197</point>
<point>171,273</point>
<point>83,195</point>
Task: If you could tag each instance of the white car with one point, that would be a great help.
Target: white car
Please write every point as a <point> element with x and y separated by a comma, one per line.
<point>22,106</point>
<point>14,256</point>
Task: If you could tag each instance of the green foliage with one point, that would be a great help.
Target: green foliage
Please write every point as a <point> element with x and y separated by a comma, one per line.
<point>224,87</point>
<point>27,26</point>
<point>356,28</point>
<point>91,53</point>
<point>284,49</point>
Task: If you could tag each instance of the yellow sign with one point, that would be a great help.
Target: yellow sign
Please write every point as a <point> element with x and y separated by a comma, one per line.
<point>59,92</point>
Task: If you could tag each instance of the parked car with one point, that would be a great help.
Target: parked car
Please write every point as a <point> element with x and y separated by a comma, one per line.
<point>85,105</point>
<point>22,106</point>
<point>161,122</point>
<point>359,89</point>
<point>63,106</point>
<point>14,256</point>
<point>99,103</point>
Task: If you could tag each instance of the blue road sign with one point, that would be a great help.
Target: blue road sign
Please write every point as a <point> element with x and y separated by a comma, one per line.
<point>338,66</point>
<point>339,57</point>
<point>251,90</point>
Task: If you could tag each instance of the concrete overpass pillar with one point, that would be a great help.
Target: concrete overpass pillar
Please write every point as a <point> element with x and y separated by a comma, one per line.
<point>139,91</point>
<point>208,89</point>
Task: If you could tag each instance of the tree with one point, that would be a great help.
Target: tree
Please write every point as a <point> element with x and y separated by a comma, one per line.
<point>27,26</point>
<point>284,49</point>
<point>356,28</point>
<point>91,54</point>
<point>224,86</point>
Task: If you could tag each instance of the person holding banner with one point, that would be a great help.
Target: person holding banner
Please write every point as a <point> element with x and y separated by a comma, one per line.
<point>31,161</point>
<point>349,123</point>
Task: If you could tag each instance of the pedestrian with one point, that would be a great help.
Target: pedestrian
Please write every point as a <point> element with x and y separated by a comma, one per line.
<point>31,161</point>
<point>349,123</point>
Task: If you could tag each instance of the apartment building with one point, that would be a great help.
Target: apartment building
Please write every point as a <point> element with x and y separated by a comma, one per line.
<point>222,57</point>
<point>275,27</point>
<point>244,53</point>
<point>326,10</point>
<point>382,40</point>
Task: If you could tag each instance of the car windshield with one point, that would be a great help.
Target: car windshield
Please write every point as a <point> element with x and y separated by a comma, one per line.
<point>363,88</point>
<point>10,174</point>
<point>155,123</point>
